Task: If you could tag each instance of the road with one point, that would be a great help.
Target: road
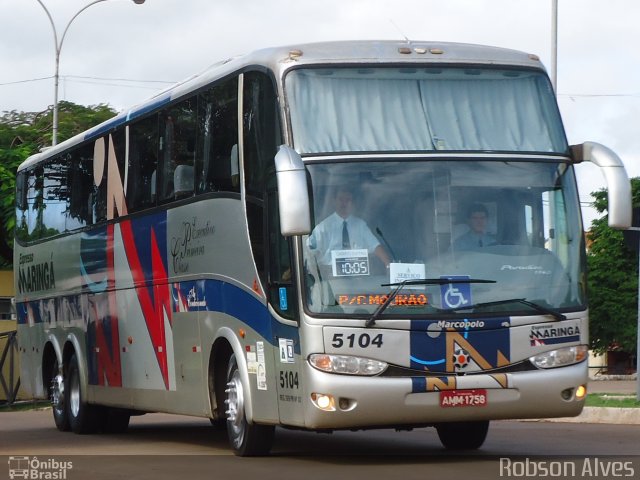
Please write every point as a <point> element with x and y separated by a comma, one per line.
<point>161,446</point>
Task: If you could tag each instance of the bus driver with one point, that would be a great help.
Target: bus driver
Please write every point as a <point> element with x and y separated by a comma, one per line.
<point>343,231</point>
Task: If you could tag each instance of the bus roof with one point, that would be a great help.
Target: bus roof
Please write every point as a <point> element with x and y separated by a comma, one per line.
<point>281,59</point>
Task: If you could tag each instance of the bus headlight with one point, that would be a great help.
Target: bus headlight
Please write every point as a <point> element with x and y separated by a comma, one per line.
<point>560,357</point>
<point>346,364</point>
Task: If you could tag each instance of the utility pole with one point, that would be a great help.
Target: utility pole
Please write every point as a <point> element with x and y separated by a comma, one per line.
<point>554,45</point>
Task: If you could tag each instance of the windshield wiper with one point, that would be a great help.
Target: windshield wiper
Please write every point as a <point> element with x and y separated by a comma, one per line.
<point>422,281</point>
<point>536,306</point>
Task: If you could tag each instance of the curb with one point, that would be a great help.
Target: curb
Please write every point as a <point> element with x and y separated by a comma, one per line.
<point>606,378</point>
<point>623,416</point>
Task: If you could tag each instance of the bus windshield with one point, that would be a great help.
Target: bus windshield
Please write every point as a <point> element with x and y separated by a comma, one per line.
<point>383,109</point>
<point>512,228</point>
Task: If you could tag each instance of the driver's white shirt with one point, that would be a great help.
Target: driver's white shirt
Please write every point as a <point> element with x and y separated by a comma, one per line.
<point>327,236</point>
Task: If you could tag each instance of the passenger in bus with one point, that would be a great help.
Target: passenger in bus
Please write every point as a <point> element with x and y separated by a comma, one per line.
<point>476,236</point>
<point>344,231</point>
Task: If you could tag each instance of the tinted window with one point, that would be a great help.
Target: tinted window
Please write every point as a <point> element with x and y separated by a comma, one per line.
<point>22,205</point>
<point>281,288</point>
<point>261,138</point>
<point>35,185</point>
<point>177,151</point>
<point>217,154</point>
<point>143,163</point>
<point>83,193</point>
<point>261,129</point>
<point>55,194</point>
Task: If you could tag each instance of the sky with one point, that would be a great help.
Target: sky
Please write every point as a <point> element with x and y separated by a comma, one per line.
<point>120,53</point>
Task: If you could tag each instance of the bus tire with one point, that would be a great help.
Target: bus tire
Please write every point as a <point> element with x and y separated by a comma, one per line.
<point>57,395</point>
<point>463,435</point>
<point>246,439</point>
<point>83,417</point>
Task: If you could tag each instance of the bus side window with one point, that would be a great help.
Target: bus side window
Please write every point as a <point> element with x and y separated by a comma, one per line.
<point>281,286</point>
<point>34,199</point>
<point>217,149</point>
<point>54,196</point>
<point>82,189</point>
<point>177,145</point>
<point>143,162</point>
<point>261,129</point>
<point>22,205</point>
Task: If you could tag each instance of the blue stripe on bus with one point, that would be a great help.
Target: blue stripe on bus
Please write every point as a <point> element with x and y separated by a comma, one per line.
<point>229,299</point>
<point>418,384</point>
<point>22,311</point>
<point>219,296</point>
<point>223,297</point>
<point>122,119</point>
<point>159,102</point>
<point>105,127</point>
<point>425,362</point>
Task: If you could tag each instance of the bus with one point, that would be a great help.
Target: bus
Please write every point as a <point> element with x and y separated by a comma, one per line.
<point>179,257</point>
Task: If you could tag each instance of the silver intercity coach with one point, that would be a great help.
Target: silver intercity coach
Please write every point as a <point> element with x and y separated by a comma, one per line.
<point>342,235</point>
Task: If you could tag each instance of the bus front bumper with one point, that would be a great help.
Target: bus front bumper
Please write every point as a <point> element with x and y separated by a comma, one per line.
<point>346,402</point>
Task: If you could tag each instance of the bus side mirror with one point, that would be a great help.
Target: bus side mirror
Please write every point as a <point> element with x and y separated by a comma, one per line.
<point>293,195</point>
<point>618,184</point>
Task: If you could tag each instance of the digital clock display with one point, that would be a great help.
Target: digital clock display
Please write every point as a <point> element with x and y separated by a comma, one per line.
<point>349,263</point>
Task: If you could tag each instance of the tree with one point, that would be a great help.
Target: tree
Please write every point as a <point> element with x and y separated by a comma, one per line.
<point>613,282</point>
<point>24,133</point>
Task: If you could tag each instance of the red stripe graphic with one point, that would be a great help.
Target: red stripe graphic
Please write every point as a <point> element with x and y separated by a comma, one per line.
<point>108,353</point>
<point>154,309</point>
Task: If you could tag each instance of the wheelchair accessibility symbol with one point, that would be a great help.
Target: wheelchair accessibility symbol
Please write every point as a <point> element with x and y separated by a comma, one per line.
<point>455,295</point>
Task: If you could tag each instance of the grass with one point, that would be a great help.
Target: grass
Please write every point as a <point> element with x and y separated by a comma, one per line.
<point>24,406</point>
<point>612,400</point>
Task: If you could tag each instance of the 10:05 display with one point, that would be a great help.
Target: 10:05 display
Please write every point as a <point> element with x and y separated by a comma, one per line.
<point>350,267</point>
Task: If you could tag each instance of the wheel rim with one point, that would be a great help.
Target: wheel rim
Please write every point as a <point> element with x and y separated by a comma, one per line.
<point>235,408</point>
<point>57,394</point>
<point>74,395</point>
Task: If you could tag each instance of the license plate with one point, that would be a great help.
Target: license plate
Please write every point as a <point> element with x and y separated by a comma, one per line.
<point>463,398</point>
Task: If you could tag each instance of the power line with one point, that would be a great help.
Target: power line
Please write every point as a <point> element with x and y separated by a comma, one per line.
<point>105,82</point>
<point>96,80</point>
<point>26,81</point>
<point>165,82</point>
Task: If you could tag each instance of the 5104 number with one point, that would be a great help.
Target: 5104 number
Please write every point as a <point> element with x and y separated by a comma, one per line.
<point>289,379</point>
<point>363,340</point>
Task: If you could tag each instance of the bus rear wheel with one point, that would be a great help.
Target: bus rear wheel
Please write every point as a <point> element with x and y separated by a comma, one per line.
<point>57,395</point>
<point>83,417</point>
<point>247,439</point>
<point>463,435</point>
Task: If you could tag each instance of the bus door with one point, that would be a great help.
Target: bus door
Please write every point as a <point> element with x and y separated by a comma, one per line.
<point>283,298</point>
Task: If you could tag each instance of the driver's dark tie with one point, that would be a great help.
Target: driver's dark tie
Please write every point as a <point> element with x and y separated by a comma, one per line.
<point>345,235</point>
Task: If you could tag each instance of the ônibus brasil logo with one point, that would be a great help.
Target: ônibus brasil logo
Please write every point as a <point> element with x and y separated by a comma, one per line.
<point>32,468</point>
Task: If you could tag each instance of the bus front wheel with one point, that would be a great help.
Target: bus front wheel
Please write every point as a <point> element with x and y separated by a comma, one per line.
<point>247,439</point>
<point>463,435</point>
